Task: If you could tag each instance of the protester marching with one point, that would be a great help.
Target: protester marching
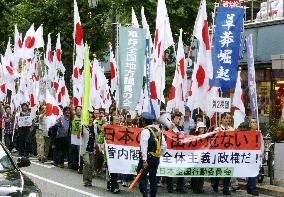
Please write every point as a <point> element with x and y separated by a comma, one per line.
<point>123,125</point>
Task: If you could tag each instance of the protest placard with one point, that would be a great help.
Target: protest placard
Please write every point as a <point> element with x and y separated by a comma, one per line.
<point>221,105</point>
<point>25,121</point>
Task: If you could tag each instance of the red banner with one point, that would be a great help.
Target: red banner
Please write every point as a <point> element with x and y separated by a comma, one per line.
<point>229,140</point>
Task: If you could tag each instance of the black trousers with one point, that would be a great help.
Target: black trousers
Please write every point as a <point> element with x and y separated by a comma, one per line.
<point>24,141</point>
<point>180,183</point>
<point>226,182</point>
<point>60,150</point>
<point>153,164</point>
<point>113,181</point>
<point>8,141</point>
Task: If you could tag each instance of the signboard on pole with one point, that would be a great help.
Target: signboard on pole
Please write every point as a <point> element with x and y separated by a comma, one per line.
<point>219,104</point>
<point>131,63</point>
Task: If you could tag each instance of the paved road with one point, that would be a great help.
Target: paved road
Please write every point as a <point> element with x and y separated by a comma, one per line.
<point>57,182</point>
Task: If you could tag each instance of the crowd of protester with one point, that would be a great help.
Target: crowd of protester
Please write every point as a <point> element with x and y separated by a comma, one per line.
<point>62,143</point>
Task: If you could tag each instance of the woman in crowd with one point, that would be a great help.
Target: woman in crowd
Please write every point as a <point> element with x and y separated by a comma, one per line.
<point>198,182</point>
<point>8,126</point>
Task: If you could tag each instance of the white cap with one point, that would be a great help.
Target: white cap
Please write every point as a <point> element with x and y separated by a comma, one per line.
<point>200,125</point>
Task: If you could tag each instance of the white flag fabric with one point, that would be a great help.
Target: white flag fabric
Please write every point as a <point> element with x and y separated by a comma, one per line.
<point>18,43</point>
<point>240,113</point>
<point>113,73</point>
<point>178,89</point>
<point>202,71</point>
<point>53,111</point>
<point>29,43</point>
<point>39,43</point>
<point>78,34</point>
<point>58,54</point>
<point>163,40</point>
<point>134,20</point>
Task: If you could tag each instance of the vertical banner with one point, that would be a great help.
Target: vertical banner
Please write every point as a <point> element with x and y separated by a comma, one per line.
<point>251,77</point>
<point>226,45</point>
<point>87,87</point>
<point>131,59</point>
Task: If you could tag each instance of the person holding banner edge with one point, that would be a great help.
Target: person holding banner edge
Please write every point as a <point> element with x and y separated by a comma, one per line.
<point>152,146</point>
<point>226,180</point>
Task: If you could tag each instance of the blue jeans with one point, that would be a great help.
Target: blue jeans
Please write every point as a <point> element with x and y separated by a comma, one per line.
<point>251,184</point>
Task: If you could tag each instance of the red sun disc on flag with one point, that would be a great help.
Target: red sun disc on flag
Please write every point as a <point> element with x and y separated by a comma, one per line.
<point>112,71</point>
<point>55,85</point>
<point>78,34</point>
<point>172,93</point>
<point>50,56</point>
<point>76,73</point>
<point>20,44</point>
<point>58,54</point>
<point>48,109</point>
<point>10,70</point>
<point>3,88</point>
<point>29,42</point>
<point>153,90</point>
<point>200,76</point>
<point>55,110</point>
<point>75,101</point>
<point>181,64</point>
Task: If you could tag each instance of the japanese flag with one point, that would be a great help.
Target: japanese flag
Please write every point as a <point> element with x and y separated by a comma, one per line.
<point>57,54</point>
<point>48,59</point>
<point>113,73</point>
<point>78,34</point>
<point>18,44</point>
<point>163,40</point>
<point>29,43</point>
<point>202,71</point>
<point>178,88</point>
<point>238,103</point>
<point>53,111</point>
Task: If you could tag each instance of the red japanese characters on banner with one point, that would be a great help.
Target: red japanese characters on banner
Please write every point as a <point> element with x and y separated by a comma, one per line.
<point>219,153</point>
<point>231,3</point>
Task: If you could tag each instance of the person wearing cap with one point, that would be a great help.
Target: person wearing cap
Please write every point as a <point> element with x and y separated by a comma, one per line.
<point>175,127</point>
<point>198,182</point>
<point>188,122</point>
<point>226,180</point>
<point>24,129</point>
<point>152,146</point>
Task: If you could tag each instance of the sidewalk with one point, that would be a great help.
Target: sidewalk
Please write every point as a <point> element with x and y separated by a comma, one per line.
<point>266,189</point>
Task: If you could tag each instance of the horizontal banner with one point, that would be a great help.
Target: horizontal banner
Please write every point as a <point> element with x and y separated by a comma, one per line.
<point>229,140</point>
<point>224,154</point>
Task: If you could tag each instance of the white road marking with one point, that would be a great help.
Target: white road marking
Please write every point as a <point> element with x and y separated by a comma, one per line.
<point>59,184</point>
<point>42,165</point>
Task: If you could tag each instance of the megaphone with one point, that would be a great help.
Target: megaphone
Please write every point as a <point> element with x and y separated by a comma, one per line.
<point>165,119</point>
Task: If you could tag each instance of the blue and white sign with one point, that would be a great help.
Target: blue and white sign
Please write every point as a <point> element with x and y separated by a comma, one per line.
<point>226,46</point>
<point>251,78</point>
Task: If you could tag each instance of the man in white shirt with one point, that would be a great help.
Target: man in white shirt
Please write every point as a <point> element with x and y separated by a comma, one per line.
<point>152,147</point>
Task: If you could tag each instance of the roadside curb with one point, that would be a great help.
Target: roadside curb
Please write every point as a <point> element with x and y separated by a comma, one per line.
<point>267,189</point>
